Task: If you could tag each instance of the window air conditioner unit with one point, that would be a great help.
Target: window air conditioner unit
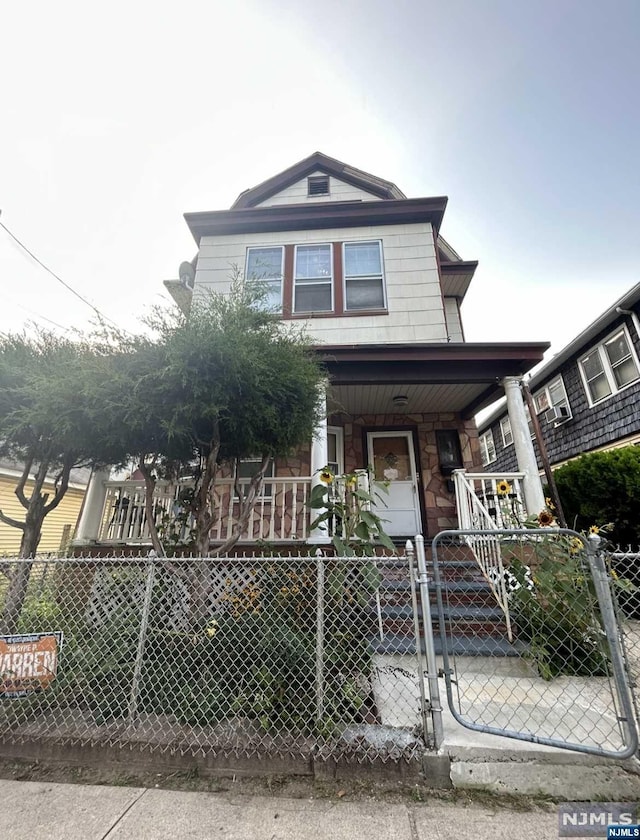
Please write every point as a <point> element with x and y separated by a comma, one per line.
<point>556,414</point>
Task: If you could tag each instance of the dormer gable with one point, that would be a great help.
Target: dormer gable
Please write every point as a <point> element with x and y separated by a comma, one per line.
<point>318,178</point>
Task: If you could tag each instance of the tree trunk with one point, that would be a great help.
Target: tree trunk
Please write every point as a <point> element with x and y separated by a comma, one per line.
<point>17,590</point>
<point>149,488</point>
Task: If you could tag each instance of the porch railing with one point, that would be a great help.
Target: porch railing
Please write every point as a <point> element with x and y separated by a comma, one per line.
<point>281,513</point>
<point>487,502</point>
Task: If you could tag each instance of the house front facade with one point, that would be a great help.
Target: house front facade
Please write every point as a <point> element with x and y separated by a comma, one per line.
<point>367,272</point>
<point>586,399</point>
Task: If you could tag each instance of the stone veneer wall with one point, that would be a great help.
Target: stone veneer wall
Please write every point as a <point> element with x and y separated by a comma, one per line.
<point>439,502</point>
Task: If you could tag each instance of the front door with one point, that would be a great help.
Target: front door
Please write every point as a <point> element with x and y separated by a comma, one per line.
<point>391,456</point>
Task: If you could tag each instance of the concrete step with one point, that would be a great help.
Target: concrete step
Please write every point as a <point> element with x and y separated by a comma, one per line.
<point>458,645</point>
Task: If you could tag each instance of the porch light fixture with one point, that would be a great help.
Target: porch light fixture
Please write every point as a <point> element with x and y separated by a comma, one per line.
<point>400,400</point>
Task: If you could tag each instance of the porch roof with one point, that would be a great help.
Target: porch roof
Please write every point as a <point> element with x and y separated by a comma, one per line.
<point>462,377</point>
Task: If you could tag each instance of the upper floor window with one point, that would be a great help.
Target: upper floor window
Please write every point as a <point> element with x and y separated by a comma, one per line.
<point>265,269</point>
<point>553,396</point>
<point>318,185</point>
<point>313,279</point>
<point>507,434</point>
<point>487,448</point>
<point>363,278</point>
<point>609,367</point>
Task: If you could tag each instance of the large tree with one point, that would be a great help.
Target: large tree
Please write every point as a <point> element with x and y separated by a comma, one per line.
<point>43,427</point>
<point>229,382</point>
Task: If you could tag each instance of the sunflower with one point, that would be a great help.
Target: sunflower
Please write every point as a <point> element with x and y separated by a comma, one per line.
<point>549,504</point>
<point>594,529</point>
<point>503,488</point>
<point>575,545</point>
<point>351,480</point>
<point>545,518</point>
<point>326,476</point>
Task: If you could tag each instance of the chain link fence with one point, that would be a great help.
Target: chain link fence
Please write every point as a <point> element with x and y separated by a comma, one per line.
<point>540,621</point>
<point>624,567</point>
<point>227,657</point>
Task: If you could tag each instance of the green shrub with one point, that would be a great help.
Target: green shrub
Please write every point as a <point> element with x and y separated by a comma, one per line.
<point>603,487</point>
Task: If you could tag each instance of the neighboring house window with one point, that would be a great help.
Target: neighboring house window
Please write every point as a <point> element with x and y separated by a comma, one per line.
<point>363,278</point>
<point>505,428</point>
<point>313,279</point>
<point>248,467</point>
<point>265,269</point>
<point>487,448</point>
<point>318,185</point>
<point>335,449</point>
<point>609,367</point>
<point>553,395</point>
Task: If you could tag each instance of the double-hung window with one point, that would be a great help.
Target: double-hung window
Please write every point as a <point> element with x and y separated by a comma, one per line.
<point>609,367</point>
<point>313,279</point>
<point>265,270</point>
<point>507,434</point>
<point>248,467</point>
<point>487,448</point>
<point>363,276</point>
<point>553,395</point>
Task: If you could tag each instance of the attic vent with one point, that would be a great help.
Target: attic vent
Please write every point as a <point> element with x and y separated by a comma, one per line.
<point>318,185</point>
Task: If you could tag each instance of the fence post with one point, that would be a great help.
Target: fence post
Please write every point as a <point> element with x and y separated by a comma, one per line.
<point>319,636</point>
<point>427,629</point>
<point>142,638</point>
<point>609,620</point>
<point>424,702</point>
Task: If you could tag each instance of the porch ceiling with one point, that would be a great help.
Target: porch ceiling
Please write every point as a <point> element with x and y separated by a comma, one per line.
<point>378,399</point>
<point>461,377</point>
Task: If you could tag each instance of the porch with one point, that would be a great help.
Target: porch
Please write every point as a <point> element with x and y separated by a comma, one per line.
<point>282,514</point>
<point>405,414</point>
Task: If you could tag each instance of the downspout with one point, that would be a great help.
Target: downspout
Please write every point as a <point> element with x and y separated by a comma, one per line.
<point>634,318</point>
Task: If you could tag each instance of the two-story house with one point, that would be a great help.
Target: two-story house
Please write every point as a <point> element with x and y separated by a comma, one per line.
<point>367,271</point>
<point>587,397</point>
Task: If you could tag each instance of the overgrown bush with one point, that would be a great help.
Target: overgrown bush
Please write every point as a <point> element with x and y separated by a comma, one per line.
<point>603,487</point>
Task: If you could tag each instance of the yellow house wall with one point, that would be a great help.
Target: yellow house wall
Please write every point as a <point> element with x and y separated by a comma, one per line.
<point>52,532</point>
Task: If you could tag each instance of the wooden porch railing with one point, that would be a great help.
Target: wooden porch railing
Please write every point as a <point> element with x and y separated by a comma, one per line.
<point>489,502</point>
<point>281,513</point>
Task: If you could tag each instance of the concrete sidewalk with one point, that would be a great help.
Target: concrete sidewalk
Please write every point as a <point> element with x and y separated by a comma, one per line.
<point>50,811</point>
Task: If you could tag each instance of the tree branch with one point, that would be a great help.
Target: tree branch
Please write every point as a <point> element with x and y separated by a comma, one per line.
<point>12,522</point>
<point>247,505</point>
<point>60,489</point>
<point>19,491</point>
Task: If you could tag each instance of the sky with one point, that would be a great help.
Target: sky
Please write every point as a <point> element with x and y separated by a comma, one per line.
<point>119,118</point>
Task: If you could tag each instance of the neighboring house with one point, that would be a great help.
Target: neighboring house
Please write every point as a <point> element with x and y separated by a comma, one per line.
<point>587,397</point>
<point>58,526</point>
<point>367,271</point>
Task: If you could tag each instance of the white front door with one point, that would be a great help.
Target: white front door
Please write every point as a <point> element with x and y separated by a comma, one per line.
<point>392,459</point>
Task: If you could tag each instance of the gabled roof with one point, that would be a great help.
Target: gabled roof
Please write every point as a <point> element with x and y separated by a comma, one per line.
<point>314,163</point>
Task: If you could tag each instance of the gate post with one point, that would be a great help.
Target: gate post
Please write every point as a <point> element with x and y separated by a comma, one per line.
<point>427,630</point>
<point>607,611</point>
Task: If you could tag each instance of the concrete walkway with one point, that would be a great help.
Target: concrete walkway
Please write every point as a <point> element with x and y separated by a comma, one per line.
<point>49,811</point>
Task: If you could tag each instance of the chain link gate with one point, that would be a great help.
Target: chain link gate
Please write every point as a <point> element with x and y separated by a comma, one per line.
<point>529,640</point>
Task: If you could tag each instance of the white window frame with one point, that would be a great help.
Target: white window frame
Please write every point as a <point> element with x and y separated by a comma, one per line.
<point>338,431</point>
<point>505,430</point>
<point>543,401</point>
<point>607,367</point>
<point>319,282</point>
<point>345,245</point>
<point>267,488</point>
<point>484,448</point>
<point>258,280</point>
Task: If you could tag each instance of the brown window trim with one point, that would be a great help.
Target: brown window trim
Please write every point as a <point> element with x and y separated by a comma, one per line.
<point>339,310</point>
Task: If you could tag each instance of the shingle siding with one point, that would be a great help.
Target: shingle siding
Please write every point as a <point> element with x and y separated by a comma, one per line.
<point>591,427</point>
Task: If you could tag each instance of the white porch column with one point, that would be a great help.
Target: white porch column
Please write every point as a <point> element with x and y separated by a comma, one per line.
<point>319,458</point>
<point>525,453</point>
<point>89,523</point>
